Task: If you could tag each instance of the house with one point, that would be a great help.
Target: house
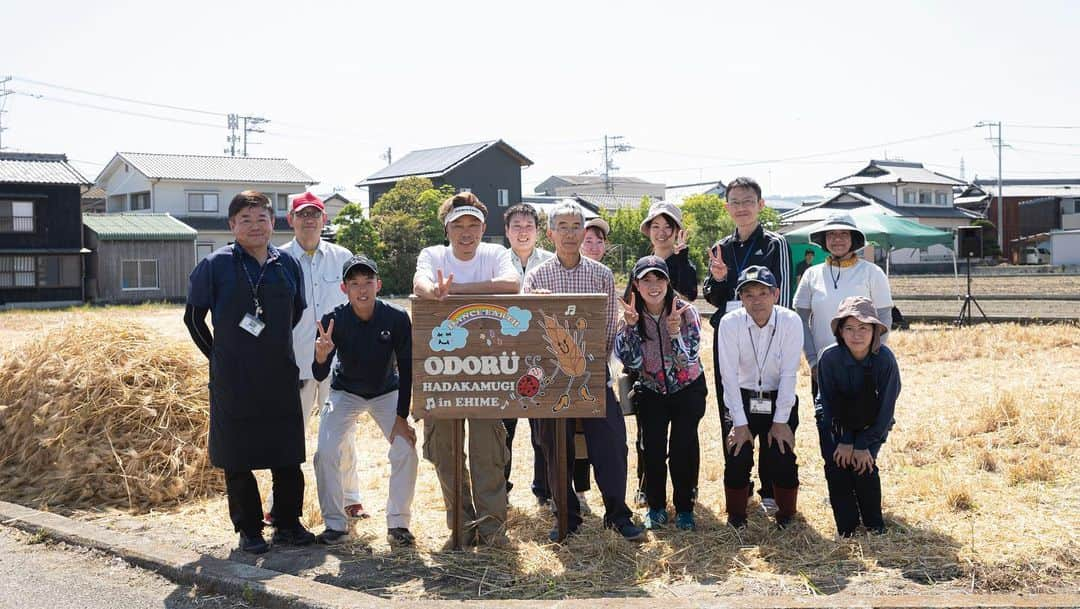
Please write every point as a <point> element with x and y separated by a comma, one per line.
<point>491,170</point>
<point>41,241</point>
<point>136,257</point>
<point>197,189</point>
<point>93,201</point>
<point>544,204</point>
<point>678,193</point>
<point>897,188</point>
<point>1017,221</point>
<point>569,185</point>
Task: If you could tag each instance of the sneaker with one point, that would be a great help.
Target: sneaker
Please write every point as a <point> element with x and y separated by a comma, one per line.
<point>253,544</point>
<point>684,521</point>
<point>356,511</point>
<point>330,537</point>
<point>542,501</point>
<point>292,536</point>
<point>553,534</point>
<point>768,505</point>
<point>655,519</point>
<point>640,500</point>
<point>629,531</point>
<point>400,536</point>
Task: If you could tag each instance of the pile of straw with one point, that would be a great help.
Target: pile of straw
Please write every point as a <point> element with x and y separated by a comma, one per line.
<point>104,413</point>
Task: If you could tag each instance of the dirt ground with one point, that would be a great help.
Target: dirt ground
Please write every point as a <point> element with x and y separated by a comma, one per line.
<point>982,285</point>
<point>978,494</point>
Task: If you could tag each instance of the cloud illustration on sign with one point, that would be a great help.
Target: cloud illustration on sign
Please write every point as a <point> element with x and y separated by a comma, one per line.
<point>447,337</point>
<point>517,322</point>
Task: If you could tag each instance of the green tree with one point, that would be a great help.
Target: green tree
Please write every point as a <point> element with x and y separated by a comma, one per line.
<point>405,220</point>
<point>626,242</point>
<point>356,233</point>
<point>707,219</point>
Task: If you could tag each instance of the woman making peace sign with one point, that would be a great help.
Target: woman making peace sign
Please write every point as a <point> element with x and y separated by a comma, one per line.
<point>659,339</point>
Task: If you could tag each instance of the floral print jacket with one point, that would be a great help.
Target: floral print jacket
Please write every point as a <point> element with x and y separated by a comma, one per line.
<point>665,363</point>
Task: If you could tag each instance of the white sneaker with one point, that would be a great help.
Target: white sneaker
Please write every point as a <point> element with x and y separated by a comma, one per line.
<point>768,505</point>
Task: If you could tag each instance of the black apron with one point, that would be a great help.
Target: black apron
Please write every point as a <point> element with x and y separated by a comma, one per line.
<point>256,421</point>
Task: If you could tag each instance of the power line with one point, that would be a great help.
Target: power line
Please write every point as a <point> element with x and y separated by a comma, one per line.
<point>1044,126</point>
<point>117,97</point>
<point>115,110</point>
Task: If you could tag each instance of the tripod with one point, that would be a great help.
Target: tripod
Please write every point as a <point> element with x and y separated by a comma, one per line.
<point>964,318</point>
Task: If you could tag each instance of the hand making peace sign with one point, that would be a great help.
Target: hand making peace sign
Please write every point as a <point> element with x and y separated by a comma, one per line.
<point>324,344</point>
<point>442,286</point>
<point>680,240</point>
<point>717,268</point>
<point>630,314</point>
<point>674,320</point>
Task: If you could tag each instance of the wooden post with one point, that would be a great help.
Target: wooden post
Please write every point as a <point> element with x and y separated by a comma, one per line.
<point>562,500</point>
<point>457,450</point>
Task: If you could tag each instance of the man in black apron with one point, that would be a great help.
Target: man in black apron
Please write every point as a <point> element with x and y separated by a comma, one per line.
<point>254,295</point>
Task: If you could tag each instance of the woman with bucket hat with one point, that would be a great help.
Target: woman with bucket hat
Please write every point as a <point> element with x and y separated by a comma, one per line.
<point>843,274</point>
<point>859,382</point>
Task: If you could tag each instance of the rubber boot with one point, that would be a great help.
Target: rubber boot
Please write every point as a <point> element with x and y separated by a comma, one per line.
<point>736,505</point>
<point>787,502</point>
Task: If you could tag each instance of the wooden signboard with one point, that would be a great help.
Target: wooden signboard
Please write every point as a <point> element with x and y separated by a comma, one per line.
<point>510,356</point>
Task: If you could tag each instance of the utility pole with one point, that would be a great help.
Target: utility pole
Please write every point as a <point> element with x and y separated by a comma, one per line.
<point>232,138</point>
<point>254,120</point>
<point>3,102</point>
<point>388,156</point>
<point>612,146</point>
<point>1000,193</point>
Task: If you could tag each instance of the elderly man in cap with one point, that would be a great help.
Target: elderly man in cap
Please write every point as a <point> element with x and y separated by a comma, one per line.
<point>759,348</point>
<point>859,383</point>
<point>321,262</point>
<point>373,342</point>
<point>468,266</point>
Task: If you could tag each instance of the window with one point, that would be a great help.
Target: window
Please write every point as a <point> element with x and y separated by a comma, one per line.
<point>504,197</point>
<point>202,201</point>
<point>282,201</point>
<point>1070,206</point>
<point>203,249</point>
<point>16,217</point>
<point>138,275</point>
<point>139,200</point>
<point>17,272</point>
<point>909,197</point>
<point>58,272</point>
<point>926,197</point>
<point>942,198</point>
<point>115,203</point>
<point>466,189</point>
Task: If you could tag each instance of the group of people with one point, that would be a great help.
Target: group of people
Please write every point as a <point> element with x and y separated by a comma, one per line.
<point>301,329</point>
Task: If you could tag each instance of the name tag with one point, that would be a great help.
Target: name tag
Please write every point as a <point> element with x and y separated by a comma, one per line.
<point>760,406</point>
<point>252,325</point>
<point>733,305</point>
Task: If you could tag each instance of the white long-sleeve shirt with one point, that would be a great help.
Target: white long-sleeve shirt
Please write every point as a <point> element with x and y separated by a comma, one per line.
<point>749,354</point>
<point>322,288</point>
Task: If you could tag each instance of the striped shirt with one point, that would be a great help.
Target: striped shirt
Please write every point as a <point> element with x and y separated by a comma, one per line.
<point>588,277</point>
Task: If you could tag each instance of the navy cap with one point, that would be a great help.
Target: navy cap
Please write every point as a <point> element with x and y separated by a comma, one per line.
<point>756,274</point>
<point>358,260</point>
<point>650,263</point>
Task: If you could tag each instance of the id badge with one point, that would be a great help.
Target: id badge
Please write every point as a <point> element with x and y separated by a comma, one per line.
<point>760,406</point>
<point>252,325</point>
<point>733,305</point>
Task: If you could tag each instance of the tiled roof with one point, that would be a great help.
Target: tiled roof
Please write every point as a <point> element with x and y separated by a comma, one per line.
<point>433,162</point>
<point>678,193</point>
<point>31,168</point>
<point>891,172</point>
<point>138,227</point>
<point>854,200</point>
<point>215,168</point>
<point>610,202</point>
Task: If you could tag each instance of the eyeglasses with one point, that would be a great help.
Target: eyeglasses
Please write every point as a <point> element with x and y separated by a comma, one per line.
<point>308,214</point>
<point>568,230</point>
<point>742,203</point>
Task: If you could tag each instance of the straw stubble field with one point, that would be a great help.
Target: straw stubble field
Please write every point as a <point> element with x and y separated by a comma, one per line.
<point>980,493</point>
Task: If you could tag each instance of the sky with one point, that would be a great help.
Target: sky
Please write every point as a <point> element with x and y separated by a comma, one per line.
<point>794,94</point>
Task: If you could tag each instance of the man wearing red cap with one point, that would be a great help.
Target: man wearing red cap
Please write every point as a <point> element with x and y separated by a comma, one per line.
<point>321,262</point>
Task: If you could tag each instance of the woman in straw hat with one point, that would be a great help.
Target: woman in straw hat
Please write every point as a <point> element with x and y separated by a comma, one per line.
<point>859,382</point>
<point>825,285</point>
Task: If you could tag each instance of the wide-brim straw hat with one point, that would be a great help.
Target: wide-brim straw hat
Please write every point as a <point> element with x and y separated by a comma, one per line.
<point>840,221</point>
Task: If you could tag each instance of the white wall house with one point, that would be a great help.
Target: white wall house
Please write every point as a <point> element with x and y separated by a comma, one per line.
<point>896,188</point>
<point>197,190</point>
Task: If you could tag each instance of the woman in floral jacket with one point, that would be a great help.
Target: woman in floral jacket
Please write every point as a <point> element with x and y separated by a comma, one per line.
<point>659,339</point>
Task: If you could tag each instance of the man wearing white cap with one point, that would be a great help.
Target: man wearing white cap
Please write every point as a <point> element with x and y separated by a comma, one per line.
<point>468,266</point>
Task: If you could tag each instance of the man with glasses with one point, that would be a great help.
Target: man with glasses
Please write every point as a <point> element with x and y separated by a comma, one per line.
<point>321,262</point>
<point>522,229</point>
<point>750,245</point>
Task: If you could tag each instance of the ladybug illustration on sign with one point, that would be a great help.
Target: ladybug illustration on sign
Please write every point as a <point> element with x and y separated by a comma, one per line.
<point>528,386</point>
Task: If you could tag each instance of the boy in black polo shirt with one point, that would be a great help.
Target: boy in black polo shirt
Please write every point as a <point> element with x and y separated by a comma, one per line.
<point>373,343</point>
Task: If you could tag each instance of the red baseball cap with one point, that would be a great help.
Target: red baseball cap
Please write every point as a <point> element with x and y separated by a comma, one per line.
<point>307,200</point>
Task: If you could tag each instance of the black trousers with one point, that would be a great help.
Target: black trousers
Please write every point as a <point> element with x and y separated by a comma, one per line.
<point>766,489</point>
<point>679,451</point>
<point>539,483</point>
<point>854,497</point>
<point>779,469</point>
<point>245,504</point>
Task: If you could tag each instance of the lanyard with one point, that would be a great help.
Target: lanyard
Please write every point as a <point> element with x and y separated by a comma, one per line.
<point>758,363</point>
<point>254,286</point>
<point>835,280</point>
<point>746,258</point>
